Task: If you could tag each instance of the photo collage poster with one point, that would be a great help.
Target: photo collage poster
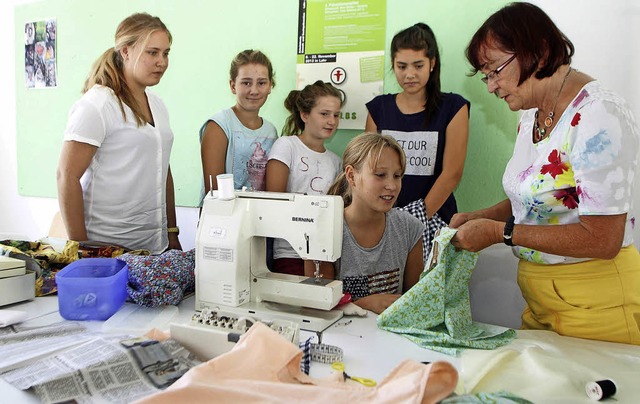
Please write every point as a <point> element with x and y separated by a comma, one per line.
<point>40,54</point>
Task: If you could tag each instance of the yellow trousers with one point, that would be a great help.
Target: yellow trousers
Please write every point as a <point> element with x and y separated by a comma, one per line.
<point>596,299</point>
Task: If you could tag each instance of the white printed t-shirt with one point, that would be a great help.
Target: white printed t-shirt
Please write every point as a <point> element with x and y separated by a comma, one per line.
<point>310,172</point>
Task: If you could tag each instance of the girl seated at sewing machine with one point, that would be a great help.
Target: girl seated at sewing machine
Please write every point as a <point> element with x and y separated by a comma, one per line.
<point>381,247</point>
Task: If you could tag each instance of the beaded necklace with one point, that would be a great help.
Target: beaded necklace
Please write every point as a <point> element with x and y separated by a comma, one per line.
<point>538,132</point>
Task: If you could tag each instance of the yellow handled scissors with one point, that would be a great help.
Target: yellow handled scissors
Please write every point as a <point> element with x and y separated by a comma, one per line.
<point>339,366</point>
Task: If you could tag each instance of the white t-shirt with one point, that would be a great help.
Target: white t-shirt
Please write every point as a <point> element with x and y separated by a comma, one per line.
<point>310,172</point>
<point>585,167</point>
<point>124,187</point>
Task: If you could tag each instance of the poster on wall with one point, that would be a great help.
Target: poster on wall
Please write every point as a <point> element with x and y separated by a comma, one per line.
<point>342,42</point>
<point>40,54</point>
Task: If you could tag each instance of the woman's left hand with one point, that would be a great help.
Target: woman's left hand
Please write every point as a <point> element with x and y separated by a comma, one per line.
<point>477,234</point>
<point>174,242</point>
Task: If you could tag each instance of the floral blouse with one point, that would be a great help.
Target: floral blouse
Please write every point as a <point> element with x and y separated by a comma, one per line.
<point>585,166</point>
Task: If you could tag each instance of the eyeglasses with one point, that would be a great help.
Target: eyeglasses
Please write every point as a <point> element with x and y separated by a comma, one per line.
<point>492,75</point>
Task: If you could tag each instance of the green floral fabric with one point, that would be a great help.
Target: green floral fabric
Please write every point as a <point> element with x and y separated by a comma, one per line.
<point>500,397</point>
<point>436,312</point>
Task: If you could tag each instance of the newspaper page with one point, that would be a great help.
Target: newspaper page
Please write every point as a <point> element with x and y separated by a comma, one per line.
<point>40,342</point>
<point>95,367</point>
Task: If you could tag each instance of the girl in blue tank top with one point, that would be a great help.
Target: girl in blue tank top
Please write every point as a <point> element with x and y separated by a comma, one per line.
<point>237,140</point>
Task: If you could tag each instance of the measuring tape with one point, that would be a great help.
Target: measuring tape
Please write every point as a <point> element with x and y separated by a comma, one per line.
<point>325,353</point>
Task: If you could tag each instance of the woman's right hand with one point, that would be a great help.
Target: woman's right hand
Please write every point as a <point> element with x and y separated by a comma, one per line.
<point>478,234</point>
<point>459,219</point>
<point>377,303</point>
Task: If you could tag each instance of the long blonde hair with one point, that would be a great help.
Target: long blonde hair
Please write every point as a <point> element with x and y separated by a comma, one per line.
<point>108,69</point>
<point>364,148</point>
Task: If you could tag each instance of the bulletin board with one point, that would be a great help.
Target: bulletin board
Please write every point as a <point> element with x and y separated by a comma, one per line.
<point>206,36</point>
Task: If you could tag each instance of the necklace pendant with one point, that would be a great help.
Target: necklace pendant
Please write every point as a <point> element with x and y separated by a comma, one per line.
<point>540,133</point>
<point>548,121</point>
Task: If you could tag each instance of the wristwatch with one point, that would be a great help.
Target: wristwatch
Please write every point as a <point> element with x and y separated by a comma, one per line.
<point>508,231</point>
<point>173,230</point>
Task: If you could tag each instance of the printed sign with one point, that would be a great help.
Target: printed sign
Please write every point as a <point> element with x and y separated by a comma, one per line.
<point>342,42</point>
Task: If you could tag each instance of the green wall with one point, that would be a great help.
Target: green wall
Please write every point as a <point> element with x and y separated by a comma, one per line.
<point>207,34</point>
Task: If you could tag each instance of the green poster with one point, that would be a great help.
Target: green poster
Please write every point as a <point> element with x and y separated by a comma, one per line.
<point>342,42</point>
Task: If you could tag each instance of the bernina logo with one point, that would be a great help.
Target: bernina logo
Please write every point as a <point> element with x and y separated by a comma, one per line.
<point>302,219</point>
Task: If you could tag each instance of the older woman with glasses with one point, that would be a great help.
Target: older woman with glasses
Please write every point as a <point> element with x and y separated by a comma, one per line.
<point>569,213</point>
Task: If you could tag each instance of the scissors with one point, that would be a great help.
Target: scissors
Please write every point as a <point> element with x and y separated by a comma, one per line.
<point>339,366</point>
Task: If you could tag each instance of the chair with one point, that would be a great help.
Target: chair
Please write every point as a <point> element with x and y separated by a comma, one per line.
<point>57,229</point>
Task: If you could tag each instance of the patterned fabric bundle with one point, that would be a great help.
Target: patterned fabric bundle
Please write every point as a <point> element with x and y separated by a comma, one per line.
<point>157,280</point>
<point>41,258</point>
<point>436,312</point>
<point>46,262</point>
<point>419,210</point>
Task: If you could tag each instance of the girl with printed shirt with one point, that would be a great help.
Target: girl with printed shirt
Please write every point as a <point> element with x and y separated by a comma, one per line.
<point>381,246</point>
<point>431,126</point>
<point>300,163</point>
<point>237,140</point>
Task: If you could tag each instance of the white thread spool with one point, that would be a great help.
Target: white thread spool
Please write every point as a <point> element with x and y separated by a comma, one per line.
<point>225,187</point>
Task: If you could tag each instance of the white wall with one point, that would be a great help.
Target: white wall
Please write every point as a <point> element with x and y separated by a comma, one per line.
<point>605,34</point>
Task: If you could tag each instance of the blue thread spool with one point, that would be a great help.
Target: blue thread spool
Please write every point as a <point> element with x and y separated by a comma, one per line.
<point>601,389</point>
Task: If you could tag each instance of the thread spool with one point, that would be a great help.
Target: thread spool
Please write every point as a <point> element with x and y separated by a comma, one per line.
<point>225,187</point>
<point>600,389</point>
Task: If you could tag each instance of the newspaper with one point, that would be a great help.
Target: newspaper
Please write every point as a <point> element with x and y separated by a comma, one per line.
<point>65,361</point>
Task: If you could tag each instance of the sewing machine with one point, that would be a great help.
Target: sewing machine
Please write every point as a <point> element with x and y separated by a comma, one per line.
<point>231,270</point>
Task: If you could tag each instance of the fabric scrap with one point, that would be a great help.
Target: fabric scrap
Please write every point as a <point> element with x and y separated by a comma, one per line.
<point>265,367</point>
<point>41,258</point>
<point>163,279</point>
<point>305,360</point>
<point>500,397</point>
<point>10,317</point>
<point>436,312</point>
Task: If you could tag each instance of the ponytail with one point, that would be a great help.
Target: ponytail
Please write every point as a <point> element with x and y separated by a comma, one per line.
<point>341,187</point>
<point>303,101</point>
<point>294,125</point>
<point>108,69</point>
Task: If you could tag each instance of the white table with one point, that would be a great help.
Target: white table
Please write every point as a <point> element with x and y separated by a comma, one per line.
<point>373,353</point>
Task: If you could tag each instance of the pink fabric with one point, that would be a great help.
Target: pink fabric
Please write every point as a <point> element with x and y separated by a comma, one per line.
<point>264,367</point>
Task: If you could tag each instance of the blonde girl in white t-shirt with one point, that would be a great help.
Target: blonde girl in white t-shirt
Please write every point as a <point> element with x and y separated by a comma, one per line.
<point>114,179</point>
